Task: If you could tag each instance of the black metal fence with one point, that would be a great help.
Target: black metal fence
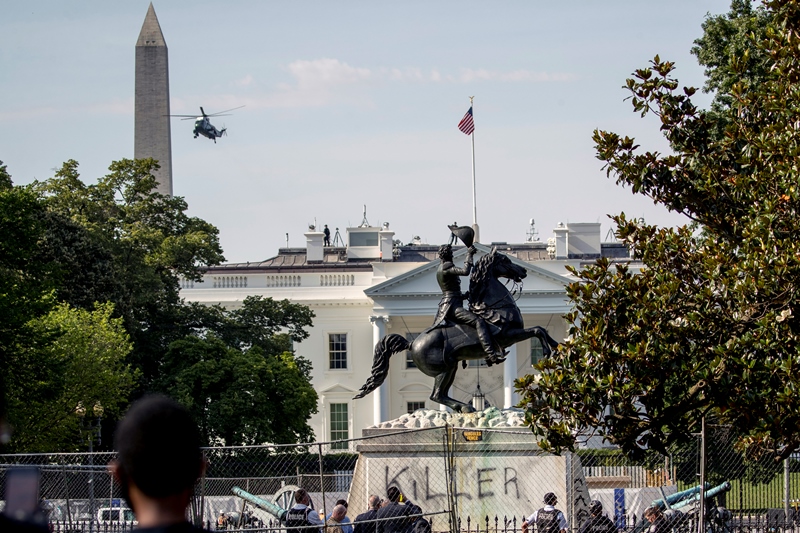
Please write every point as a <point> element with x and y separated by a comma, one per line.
<point>464,479</point>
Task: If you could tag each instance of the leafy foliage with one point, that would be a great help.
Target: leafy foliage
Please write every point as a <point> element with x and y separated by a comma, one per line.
<point>236,373</point>
<point>730,44</point>
<point>709,326</point>
<point>82,362</point>
<point>90,312</point>
<point>25,283</point>
<point>134,243</point>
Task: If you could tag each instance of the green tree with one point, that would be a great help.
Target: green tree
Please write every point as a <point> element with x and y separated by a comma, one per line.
<point>25,282</point>
<point>235,372</point>
<point>82,362</point>
<point>120,241</point>
<point>730,52</point>
<point>710,326</point>
<point>122,244</point>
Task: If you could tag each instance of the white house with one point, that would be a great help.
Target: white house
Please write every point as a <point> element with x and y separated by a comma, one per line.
<point>372,287</point>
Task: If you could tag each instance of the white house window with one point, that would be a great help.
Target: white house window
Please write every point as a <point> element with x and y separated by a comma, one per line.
<point>337,351</point>
<point>413,406</point>
<point>537,354</point>
<point>339,426</point>
<point>369,238</point>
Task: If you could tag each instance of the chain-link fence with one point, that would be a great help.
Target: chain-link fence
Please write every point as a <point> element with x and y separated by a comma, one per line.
<point>462,479</point>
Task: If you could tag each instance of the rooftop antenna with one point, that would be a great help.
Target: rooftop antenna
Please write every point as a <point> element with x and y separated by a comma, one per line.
<point>287,240</point>
<point>611,236</point>
<point>364,221</point>
<point>533,233</point>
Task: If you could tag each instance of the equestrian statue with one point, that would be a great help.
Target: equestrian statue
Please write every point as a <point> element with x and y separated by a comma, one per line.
<point>490,324</point>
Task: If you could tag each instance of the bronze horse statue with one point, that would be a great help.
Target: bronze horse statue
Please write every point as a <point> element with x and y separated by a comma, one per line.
<point>438,350</point>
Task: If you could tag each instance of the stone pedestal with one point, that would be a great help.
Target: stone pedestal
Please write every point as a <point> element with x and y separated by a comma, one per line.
<point>484,464</point>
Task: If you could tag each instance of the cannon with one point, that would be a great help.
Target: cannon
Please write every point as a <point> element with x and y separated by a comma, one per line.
<point>275,510</point>
<point>676,504</point>
<point>685,497</point>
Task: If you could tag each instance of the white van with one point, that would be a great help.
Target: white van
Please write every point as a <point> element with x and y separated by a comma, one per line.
<point>116,515</point>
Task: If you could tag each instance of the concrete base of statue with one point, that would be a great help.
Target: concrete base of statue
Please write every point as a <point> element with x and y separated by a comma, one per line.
<point>488,460</point>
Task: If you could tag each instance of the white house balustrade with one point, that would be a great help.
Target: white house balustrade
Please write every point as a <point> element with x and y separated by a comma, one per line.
<point>283,281</point>
<point>230,282</point>
<point>337,280</point>
<point>187,283</point>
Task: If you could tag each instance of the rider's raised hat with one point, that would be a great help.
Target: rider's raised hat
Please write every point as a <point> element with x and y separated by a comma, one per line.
<point>465,233</point>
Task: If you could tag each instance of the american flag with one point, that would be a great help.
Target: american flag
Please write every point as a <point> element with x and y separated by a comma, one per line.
<point>467,125</point>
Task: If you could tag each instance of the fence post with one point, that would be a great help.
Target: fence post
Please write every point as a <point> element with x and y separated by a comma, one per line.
<point>66,496</point>
<point>701,518</point>
<point>786,491</point>
<point>322,481</point>
<point>450,477</point>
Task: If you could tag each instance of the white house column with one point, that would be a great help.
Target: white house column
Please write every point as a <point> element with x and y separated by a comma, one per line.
<point>509,375</point>
<point>380,397</point>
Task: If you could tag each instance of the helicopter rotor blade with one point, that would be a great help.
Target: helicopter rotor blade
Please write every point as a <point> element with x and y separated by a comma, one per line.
<point>221,112</point>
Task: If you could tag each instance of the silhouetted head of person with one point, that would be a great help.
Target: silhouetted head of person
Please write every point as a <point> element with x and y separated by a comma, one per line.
<point>158,447</point>
<point>339,512</point>
<point>301,496</point>
<point>595,507</point>
<point>394,494</point>
<point>374,501</point>
<point>550,499</point>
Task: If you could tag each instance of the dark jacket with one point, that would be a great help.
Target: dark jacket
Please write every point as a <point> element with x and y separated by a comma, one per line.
<point>598,524</point>
<point>368,527</point>
<point>394,526</point>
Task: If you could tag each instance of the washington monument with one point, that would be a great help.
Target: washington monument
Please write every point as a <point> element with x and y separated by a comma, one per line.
<point>152,136</point>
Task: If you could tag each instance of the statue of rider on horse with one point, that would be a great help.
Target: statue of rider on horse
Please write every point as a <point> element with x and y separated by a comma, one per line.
<point>492,323</point>
<point>451,307</point>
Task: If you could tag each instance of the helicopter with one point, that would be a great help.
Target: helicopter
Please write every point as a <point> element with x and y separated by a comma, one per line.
<point>203,126</point>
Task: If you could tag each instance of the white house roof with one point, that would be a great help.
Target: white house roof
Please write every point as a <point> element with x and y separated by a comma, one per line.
<point>421,281</point>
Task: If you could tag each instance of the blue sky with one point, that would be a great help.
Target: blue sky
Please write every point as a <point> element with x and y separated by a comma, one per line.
<point>352,103</point>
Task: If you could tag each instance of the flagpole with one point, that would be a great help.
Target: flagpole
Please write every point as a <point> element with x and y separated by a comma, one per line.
<point>474,195</point>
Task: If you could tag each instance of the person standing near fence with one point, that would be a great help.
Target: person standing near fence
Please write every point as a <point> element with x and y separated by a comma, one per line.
<point>334,523</point>
<point>658,523</point>
<point>548,519</point>
<point>395,509</point>
<point>374,503</point>
<point>347,526</point>
<point>302,515</point>
<point>158,463</point>
<point>597,522</point>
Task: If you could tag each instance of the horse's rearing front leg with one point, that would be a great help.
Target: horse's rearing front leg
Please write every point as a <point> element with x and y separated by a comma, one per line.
<point>548,343</point>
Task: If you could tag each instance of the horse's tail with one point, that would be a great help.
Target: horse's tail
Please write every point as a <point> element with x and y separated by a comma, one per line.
<point>388,346</point>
